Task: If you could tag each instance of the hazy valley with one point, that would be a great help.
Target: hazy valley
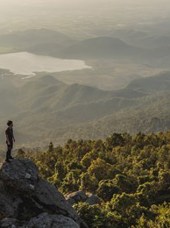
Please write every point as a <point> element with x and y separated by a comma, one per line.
<point>43,107</point>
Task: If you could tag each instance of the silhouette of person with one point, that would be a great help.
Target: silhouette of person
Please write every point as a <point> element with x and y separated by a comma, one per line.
<point>9,140</point>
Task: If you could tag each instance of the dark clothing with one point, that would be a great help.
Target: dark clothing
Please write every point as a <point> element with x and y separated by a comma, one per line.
<point>9,134</point>
<point>9,141</point>
<point>8,153</point>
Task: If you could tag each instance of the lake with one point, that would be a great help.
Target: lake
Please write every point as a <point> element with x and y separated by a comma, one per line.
<point>25,63</point>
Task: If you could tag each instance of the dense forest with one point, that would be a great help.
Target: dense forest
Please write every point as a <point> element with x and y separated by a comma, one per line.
<point>130,175</point>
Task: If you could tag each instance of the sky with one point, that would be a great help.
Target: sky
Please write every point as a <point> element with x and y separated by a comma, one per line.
<point>16,13</point>
<point>14,5</point>
<point>8,6</point>
<point>80,3</point>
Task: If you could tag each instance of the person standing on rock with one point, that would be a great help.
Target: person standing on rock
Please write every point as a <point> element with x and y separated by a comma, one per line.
<point>9,140</point>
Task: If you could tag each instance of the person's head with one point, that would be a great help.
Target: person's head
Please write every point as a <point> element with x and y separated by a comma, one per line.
<point>10,123</point>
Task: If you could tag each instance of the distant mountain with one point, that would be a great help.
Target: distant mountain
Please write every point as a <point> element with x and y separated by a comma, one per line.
<point>144,38</point>
<point>128,35</point>
<point>53,43</point>
<point>101,47</point>
<point>57,94</point>
<point>151,115</point>
<point>137,95</point>
<point>153,42</point>
<point>44,107</point>
<point>149,85</point>
<point>158,57</point>
<point>42,41</point>
<point>154,49</point>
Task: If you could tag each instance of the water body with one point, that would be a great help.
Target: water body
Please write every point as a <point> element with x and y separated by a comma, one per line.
<point>26,63</point>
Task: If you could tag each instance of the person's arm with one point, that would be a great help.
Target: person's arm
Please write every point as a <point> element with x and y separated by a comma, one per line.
<point>13,135</point>
<point>7,137</point>
<point>13,138</point>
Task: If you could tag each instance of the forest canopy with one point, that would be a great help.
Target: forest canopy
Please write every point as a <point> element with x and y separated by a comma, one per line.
<point>130,174</point>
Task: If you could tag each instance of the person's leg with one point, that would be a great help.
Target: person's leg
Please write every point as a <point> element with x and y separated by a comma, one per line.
<point>8,153</point>
<point>11,147</point>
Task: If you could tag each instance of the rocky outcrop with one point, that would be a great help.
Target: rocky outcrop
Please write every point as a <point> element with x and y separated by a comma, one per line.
<point>54,221</point>
<point>43,220</point>
<point>28,201</point>
<point>80,196</point>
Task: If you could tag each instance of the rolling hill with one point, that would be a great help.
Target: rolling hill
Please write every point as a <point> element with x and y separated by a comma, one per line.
<point>100,47</point>
<point>41,41</point>
<point>44,107</point>
<point>53,43</point>
<point>153,41</point>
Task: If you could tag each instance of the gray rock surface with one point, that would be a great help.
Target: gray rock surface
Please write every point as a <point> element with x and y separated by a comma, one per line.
<point>14,175</point>
<point>10,223</point>
<point>93,199</point>
<point>8,202</point>
<point>76,197</point>
<point>26,199</point>
<point>80,196</point>
<point>52,200</point>
<point>54,221</point>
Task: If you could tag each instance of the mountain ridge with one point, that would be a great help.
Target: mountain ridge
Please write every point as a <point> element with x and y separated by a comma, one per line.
<point>44,104</point>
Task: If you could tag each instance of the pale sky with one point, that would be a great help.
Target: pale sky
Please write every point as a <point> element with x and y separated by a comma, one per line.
<point>74,3</point>
<point>7,6</point>
<point>82,4</point>
<point>13,12</point>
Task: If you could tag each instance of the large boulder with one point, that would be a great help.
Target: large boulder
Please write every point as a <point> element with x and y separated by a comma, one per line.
<point>27,199</point>
<point>43,220</point>
<point>10,223</point>
<point>8,202</point>
<point>51,200</point>
<point>20,175</point>
<point>53,221</point>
